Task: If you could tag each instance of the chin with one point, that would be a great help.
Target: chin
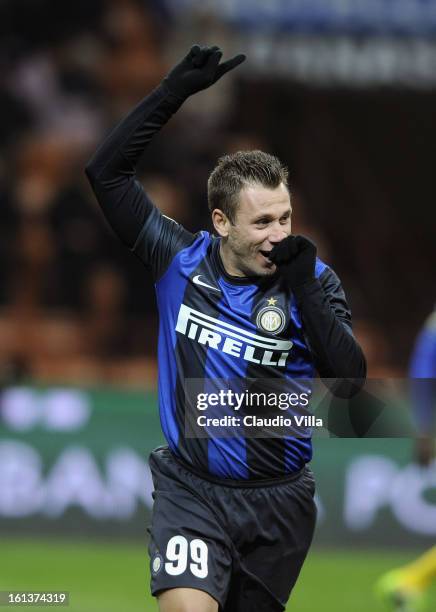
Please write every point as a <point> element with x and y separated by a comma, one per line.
<point>258,268</point>
<point>264,271</point>
<point>268,271</point>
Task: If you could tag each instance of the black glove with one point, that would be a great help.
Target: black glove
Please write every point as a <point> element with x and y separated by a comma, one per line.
<point>199,70</point>
<point>295,257</point>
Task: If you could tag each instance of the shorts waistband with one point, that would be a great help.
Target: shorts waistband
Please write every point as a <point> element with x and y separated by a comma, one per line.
<point>252,483</point>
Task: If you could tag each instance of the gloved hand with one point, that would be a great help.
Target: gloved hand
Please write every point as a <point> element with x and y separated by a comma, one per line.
<point>199,70</point>
<point>295,257</point>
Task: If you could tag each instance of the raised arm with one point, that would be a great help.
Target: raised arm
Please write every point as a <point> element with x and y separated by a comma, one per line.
<point>112,170</point>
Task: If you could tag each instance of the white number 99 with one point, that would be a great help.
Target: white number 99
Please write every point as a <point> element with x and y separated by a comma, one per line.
<point>177,555</point>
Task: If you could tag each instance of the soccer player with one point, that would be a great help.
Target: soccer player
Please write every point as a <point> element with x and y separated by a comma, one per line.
<point>233,518</point>
<point>404,588</point>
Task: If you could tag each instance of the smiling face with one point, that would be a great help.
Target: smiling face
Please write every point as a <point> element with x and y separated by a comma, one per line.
<point>262,219</point>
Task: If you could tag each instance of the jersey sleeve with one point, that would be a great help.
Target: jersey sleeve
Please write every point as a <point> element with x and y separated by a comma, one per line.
<point>160,239</point>
<point>112,173</point>
<point>328,329</point>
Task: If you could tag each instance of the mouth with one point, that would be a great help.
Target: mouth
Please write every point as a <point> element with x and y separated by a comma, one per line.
<point>265,257</point>
<point>266,254</point>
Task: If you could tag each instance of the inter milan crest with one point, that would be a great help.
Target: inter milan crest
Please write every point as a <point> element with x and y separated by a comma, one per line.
<point>271,318</point>
<point>156,564</point>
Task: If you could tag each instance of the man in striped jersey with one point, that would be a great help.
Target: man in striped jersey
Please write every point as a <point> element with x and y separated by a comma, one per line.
<point>233,516</point>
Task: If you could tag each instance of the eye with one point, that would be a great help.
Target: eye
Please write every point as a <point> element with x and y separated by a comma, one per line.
<point>285,218</point>
<point>262,222</point>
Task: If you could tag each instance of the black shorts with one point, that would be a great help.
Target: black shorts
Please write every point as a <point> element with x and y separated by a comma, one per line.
<point>243,543</point>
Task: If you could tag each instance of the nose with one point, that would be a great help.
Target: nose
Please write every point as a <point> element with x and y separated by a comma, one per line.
<point>277,235</point>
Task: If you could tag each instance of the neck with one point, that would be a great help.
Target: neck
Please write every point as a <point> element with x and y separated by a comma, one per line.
<point>228,261</point>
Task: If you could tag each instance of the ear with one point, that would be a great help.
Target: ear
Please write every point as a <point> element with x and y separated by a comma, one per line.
<point>220,222</point>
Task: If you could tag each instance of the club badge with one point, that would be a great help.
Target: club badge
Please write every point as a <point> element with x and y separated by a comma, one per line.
<point>271,318</point>
<point>156,564</point>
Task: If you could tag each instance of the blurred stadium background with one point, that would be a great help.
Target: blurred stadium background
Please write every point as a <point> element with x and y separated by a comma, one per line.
<point>345,93</point>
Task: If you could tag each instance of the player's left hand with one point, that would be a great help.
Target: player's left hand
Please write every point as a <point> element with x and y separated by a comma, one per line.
<point>199,69</point>
<point>295,256</point>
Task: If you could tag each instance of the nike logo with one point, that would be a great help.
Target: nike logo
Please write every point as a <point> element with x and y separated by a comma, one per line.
<point>196,280</point>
